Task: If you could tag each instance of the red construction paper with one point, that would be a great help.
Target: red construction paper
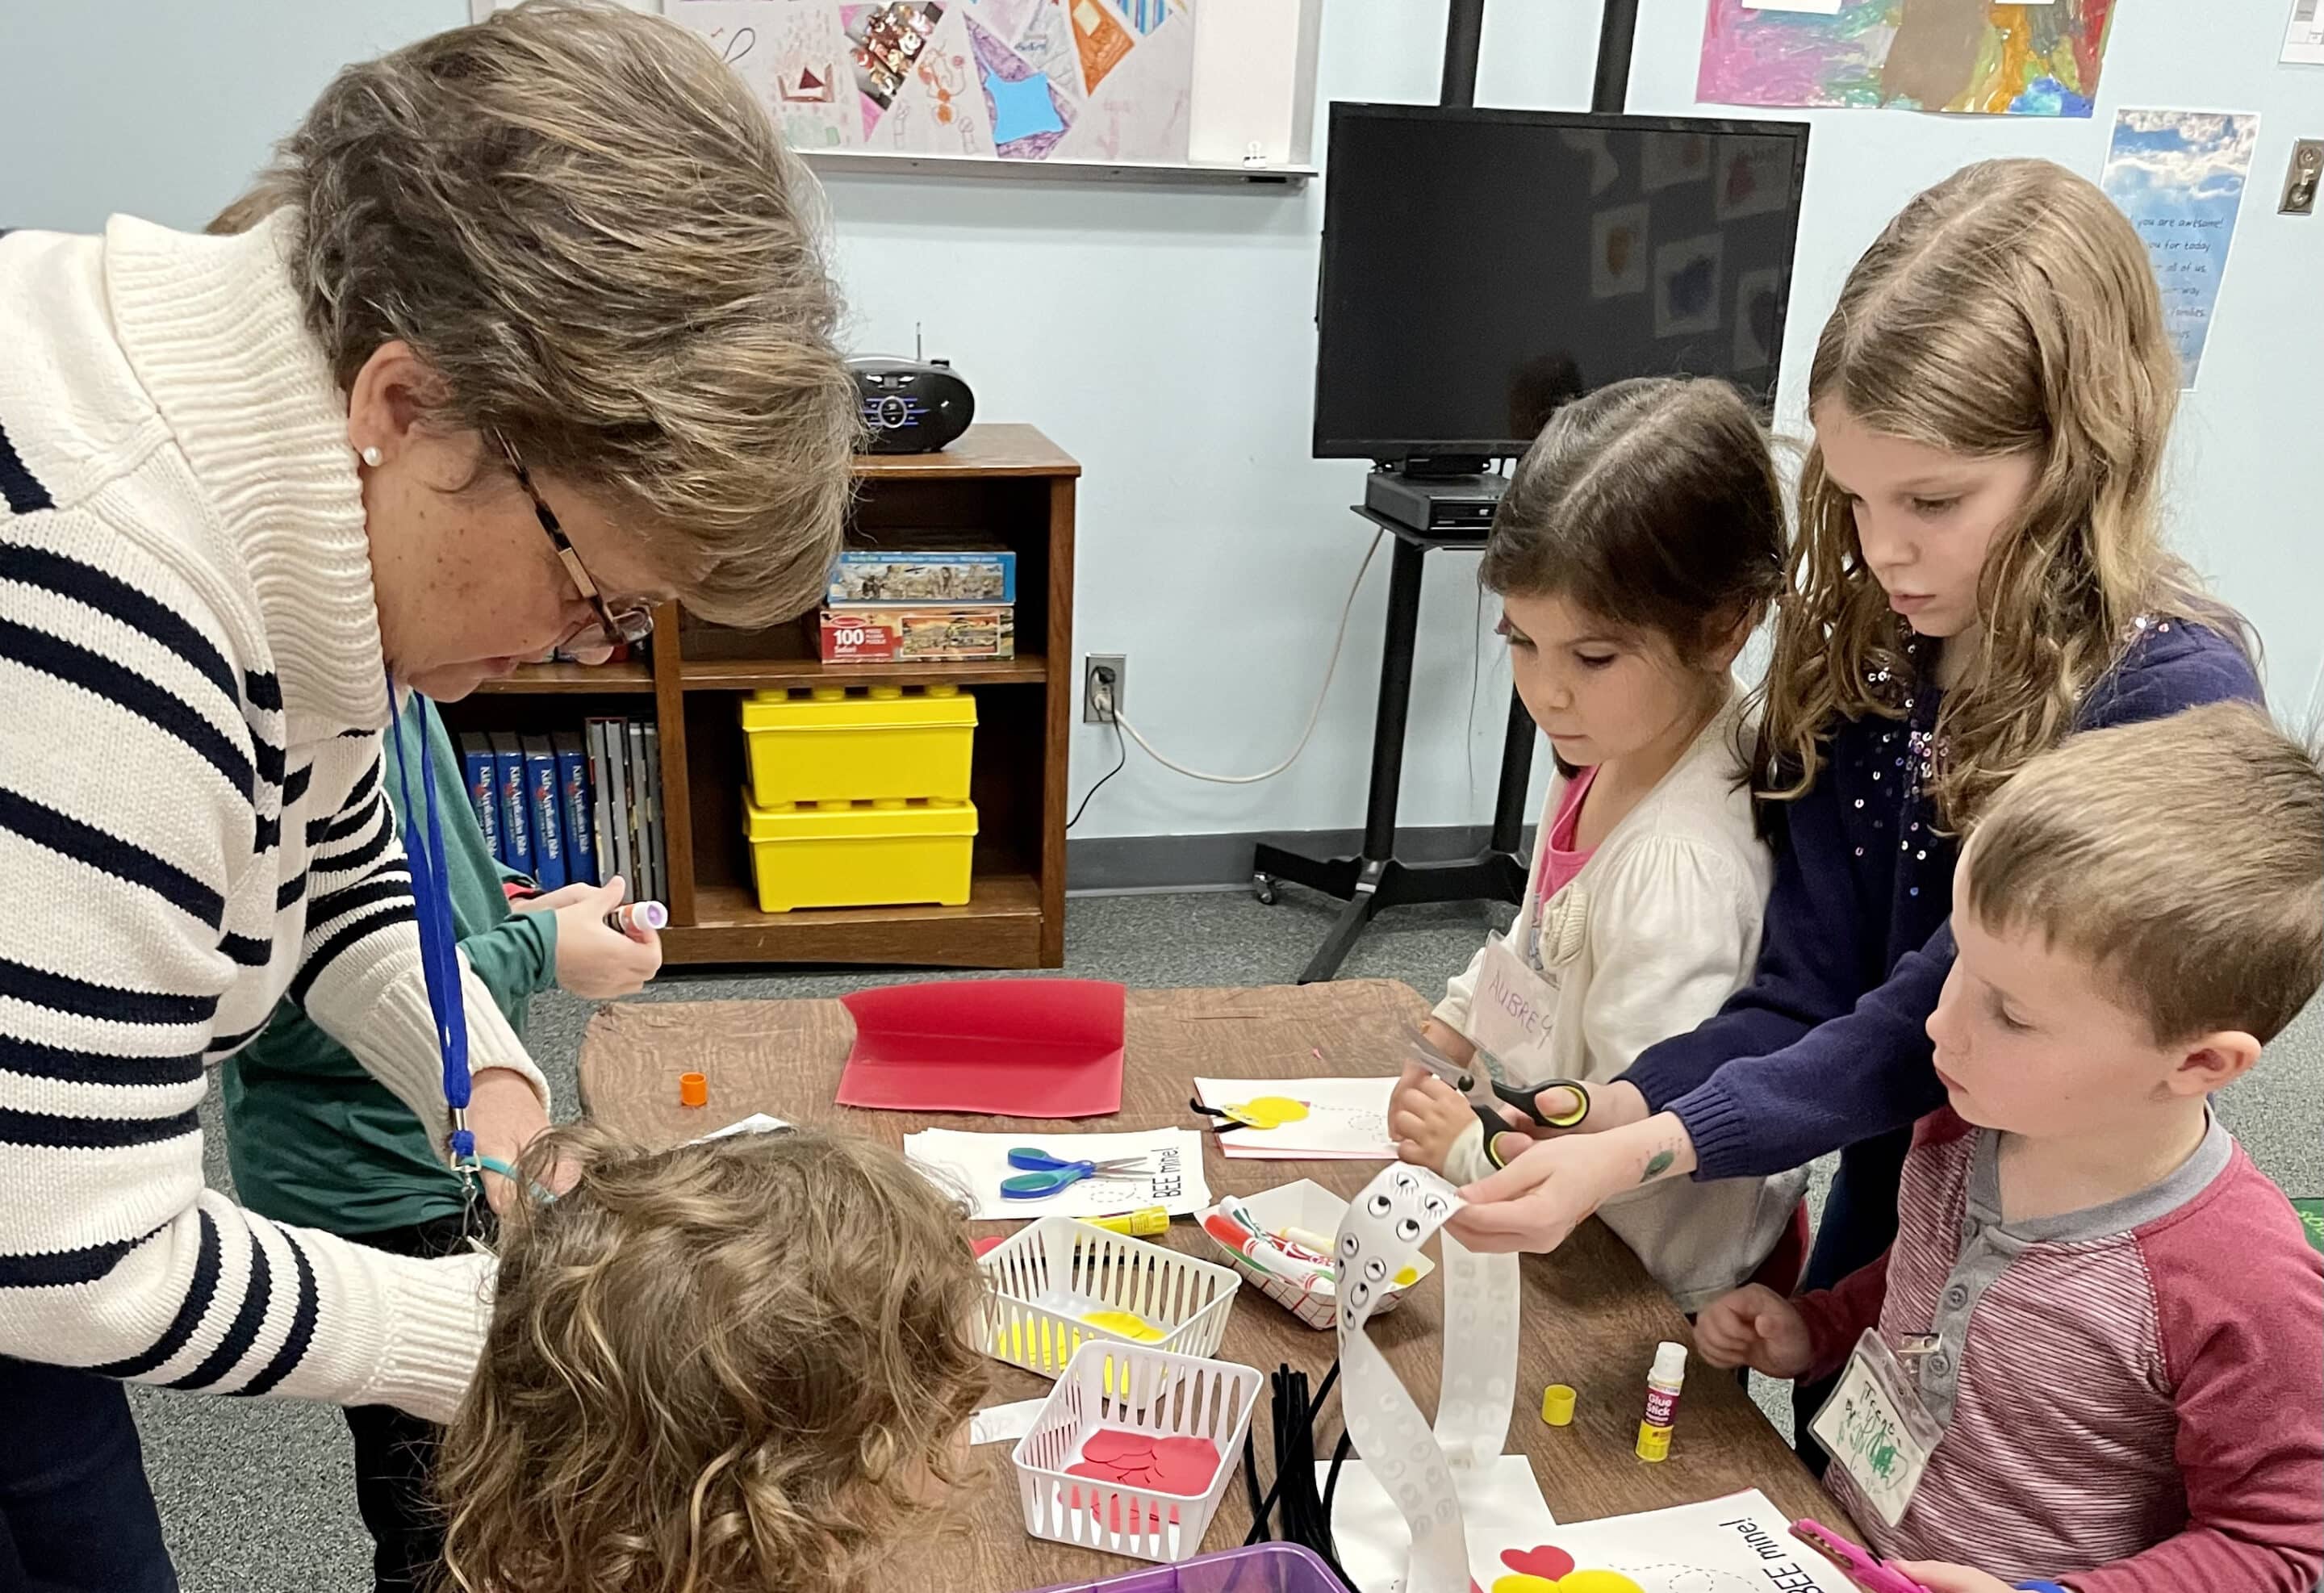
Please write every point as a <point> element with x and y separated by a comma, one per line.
<point>1003,1047</point>
<point>1116,1443</point>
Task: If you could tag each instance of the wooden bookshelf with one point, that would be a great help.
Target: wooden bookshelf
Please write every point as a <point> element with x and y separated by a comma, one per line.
<point>1008,484</point>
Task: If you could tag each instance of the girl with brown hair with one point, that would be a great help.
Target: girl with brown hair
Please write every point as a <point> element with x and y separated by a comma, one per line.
<point>1979,571</point>
<point>1640,542</point>
<point>745,1365</point>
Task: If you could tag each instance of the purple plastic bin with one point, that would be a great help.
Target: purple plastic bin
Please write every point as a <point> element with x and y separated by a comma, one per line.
<point>1263,1568</point>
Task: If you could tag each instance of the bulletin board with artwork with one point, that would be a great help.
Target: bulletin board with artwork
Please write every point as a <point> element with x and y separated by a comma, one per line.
<point>1174,84</point>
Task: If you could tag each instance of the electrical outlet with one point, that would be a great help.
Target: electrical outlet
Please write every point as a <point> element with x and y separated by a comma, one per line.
<point>1102,672</point>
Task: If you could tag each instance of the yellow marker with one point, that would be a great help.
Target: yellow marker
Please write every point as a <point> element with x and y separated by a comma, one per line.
<point>1557,1405</point>
<point>1140,1224</point>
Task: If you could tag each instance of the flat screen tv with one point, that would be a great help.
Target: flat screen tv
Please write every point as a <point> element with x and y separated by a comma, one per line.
<point>1481,267</point>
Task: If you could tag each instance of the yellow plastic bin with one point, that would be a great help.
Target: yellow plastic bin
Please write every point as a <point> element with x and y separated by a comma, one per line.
<point>860,854</point>
<point>868,743</point>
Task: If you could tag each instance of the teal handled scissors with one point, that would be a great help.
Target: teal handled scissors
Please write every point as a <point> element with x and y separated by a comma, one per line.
<point>1044,1174</point>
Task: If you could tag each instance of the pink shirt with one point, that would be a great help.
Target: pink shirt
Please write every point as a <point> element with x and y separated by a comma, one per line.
<point>2132,1396</point>
<point>1560,858</point>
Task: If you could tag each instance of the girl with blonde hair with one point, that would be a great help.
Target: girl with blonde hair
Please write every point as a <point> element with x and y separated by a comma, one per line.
<point>526,329</point>
<point>1978,571</point>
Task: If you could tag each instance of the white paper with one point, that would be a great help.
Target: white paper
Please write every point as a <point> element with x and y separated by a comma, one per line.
<point>1347,1118</point>
<point>756,1123</point>
<point>1738,1541</point>
<point>1501,1506</point>
<point>1819,7</point>
<point>1005,1423</point>
<point>2303,35</point>
<point>974,1164</point>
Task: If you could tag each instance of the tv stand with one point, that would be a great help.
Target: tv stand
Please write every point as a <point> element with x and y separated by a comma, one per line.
<point>1376,878</point>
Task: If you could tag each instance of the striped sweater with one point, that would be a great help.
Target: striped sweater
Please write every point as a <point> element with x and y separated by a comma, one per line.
<point>191,826</point>
<point>2132,1396</point>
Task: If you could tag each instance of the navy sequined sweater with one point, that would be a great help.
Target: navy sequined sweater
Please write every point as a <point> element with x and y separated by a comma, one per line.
<point>1827,1044</point>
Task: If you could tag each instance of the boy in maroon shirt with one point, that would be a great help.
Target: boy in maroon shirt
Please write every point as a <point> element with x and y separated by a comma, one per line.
<point>2113,1321</point>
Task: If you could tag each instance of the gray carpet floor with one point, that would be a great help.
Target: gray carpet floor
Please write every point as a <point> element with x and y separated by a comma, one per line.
<point>258,1497</point>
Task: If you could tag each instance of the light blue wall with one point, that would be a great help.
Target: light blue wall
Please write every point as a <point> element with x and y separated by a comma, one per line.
<point>1165,338</point>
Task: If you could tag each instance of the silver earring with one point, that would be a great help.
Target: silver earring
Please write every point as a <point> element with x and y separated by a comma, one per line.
<point>372,457</point>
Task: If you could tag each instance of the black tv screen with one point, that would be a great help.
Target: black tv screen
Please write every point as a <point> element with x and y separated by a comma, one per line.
<point>1481,267</point>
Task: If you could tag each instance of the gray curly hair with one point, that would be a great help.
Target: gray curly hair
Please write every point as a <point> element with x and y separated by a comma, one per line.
<point>579,216</point>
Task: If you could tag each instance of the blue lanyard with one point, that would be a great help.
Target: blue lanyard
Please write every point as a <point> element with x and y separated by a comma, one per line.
<point>440,957</point>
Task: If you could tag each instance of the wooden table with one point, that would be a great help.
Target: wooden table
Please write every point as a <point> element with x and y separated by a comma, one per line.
<point>1593,1316</point>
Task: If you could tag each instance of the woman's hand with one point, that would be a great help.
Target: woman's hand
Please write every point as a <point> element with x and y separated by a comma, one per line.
<point>504,1114</point>
<point>1538,1199</point>
<point>1757,1328</point>
<point>1938,1577</point>
<point>595,961</point>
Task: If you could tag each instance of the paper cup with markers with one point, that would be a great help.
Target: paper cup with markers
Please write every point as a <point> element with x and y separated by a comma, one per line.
<point>1281,1238</point>
<point>1060,1282</point>
<point>1134,1449</point>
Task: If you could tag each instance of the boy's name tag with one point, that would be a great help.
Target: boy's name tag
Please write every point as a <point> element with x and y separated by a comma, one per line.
<point>1875,1429</point>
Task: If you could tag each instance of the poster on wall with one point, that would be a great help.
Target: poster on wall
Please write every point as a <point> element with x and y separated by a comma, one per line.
<point>2179,176</point>
<point>1009,79</point>
<point>1962,57</point>
<point>2303,35</point>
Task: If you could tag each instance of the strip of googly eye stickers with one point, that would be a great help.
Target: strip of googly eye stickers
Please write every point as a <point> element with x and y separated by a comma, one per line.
<point>1381,1234</point>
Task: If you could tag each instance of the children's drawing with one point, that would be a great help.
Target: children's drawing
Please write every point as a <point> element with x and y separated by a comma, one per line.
<point>1736,1544</point>
<point>1027,114</point>
<point>1618,251</point>
<point>1960,56</point>
<point>1104,42</point>
<point>1298,1120</point>
<point>1759,299</point>
<point>1018,79</point>
<point>1686,286</point>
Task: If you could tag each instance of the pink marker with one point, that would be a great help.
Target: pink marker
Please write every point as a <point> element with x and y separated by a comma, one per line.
<point>634,917</point>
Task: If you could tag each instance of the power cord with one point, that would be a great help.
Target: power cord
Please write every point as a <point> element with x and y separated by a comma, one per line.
<point>1101,691</point>
<point>1315,715</point>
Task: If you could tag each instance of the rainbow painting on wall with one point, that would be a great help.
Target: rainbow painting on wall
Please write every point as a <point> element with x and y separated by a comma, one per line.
<point>1960,57</point>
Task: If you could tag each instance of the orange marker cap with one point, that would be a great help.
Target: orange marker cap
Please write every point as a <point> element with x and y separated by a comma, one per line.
<point>693,1090</point>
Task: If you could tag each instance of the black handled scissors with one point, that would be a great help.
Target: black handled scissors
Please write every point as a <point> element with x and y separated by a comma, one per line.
<point>1525,1099</point>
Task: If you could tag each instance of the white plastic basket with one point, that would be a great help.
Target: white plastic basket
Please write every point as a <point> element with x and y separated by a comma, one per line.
<point>1145,1390</point>
<point>1053,1277</point>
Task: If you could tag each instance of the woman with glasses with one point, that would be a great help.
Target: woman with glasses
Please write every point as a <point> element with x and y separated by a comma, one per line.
<point>526,329</point>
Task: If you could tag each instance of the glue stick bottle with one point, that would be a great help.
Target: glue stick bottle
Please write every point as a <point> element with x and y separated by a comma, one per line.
<point>1662,1383</point>
<point>637,915</point>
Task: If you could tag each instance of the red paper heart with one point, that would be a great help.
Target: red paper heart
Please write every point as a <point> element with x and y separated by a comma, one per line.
<point>1184,1465</point>
<point>1115,1443</point>
<point>1542,1560</point>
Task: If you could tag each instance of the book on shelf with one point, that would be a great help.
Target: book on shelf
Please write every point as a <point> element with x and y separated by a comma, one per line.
<point>483,777</point>
<point>656,847</point>
<point>516,824</point>
<point>608,752</point>
<point>573,806</point>
<point>541,805</point>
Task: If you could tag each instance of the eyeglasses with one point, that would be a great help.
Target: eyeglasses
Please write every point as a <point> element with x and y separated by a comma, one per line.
<point>622,618</point>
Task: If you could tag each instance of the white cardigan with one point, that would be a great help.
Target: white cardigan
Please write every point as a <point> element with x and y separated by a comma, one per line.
<point>191,825</point>
<point>1660,927</point>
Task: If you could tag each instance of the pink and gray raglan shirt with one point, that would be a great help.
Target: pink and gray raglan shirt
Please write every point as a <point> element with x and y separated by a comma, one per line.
<point>2132,1396</point>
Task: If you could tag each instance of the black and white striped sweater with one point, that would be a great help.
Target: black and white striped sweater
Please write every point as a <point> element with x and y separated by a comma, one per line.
<point>191,824</point>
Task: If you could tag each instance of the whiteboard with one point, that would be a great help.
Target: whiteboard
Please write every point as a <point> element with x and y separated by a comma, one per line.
<point>1058,88</point>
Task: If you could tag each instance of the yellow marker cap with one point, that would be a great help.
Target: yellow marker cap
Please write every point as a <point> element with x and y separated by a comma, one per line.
<point>1141,1224</point>
<point>1557,1404</point>
<point>1654,1443</point>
